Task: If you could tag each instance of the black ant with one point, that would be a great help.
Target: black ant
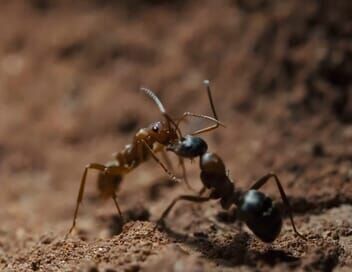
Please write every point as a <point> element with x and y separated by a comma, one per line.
<point>146,143</point>
<point>254,208</point>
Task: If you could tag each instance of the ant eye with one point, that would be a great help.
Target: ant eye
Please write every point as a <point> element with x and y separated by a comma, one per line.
<point>155,128</point>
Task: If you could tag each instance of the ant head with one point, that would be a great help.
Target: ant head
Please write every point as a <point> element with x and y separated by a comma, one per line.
<point>261,215</point>
<point>189,147</point>
<point>161,132</point>
<point>168,128</point>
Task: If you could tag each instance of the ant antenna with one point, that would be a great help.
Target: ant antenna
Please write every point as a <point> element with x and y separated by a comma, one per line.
<point>207,85</point>
<point>157,101</point>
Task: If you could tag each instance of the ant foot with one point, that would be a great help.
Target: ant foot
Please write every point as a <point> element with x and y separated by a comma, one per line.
<point>301,236</point>
<point>160,224</point>
<point>68,234</point>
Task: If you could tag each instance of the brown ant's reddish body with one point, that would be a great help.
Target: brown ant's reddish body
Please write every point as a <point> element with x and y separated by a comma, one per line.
<point>146,143</point>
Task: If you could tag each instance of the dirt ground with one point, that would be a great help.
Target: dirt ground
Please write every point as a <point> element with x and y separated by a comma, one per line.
<point>70,73</point>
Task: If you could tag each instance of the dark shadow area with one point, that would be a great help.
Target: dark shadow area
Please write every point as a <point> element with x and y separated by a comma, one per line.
<point>317,204</point>
<point>158,188</point>
<point>138,213</point>
<point>233,252</point>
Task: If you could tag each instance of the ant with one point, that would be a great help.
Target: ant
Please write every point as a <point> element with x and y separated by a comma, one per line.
<point>146,143</point>
<point>254,208</point>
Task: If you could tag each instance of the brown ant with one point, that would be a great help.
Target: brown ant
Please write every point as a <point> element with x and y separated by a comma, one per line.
<point>256,209</point>
<point>146,143</point>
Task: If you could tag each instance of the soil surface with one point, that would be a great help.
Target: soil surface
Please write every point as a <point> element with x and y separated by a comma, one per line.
<point>70,72</point>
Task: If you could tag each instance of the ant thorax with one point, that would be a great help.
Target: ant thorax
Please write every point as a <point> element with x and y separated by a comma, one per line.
<point>143,135</point>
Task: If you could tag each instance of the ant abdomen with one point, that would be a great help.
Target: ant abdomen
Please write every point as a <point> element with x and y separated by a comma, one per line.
<point>189,147</point>
<point>108,184</point>
<point>261,215</point>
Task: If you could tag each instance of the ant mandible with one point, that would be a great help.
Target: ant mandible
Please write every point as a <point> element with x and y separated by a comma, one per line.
<point>255,208</point>
<point>146,143</point>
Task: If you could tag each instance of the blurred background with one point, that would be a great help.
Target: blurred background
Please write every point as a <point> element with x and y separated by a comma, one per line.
<point>70,73</point>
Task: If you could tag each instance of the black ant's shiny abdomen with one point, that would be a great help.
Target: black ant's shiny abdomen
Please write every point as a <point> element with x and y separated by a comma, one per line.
<point>261,215</point>
<point>189,147</point>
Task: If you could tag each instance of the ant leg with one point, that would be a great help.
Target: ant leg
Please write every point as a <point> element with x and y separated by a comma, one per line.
<point>202,116</point>
<point>169,165</point>
<point>207,85</point>
<point>117,206</point>
<point>214,119</point>
<point>96,166</point>
<point>207,129</point>
<point>260,182</point>
<point>202,191</point>
<point>167,171</point>
<point>114,170</point>
<point>181,162</point>
<point>167,160</point>
<point>191,198</point>
<point>184,173</point>
<point>216,125</point>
